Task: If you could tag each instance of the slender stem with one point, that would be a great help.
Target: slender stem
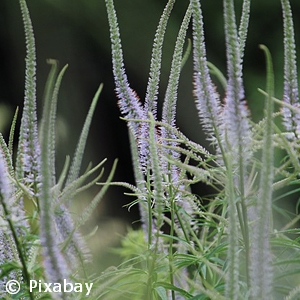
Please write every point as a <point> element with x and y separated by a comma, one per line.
<point>244,212</point>
<point>171,243</point>
<point>151,263</point>
<point>149,215</point>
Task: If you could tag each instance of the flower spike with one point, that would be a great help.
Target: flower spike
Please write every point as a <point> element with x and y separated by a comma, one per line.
<point>207,100</point>
<point>237,127</point>
<point>28,157</point>
<point>291,120</point>
<point>129,102</point>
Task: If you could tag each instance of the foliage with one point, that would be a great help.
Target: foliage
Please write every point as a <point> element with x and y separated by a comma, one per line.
<point>39,238</point>
<point>227,246</point>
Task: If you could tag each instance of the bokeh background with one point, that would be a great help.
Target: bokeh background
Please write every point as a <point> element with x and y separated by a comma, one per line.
<point>76,33</point>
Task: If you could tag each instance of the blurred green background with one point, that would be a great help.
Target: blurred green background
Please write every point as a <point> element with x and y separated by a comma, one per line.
<point>76,33</point>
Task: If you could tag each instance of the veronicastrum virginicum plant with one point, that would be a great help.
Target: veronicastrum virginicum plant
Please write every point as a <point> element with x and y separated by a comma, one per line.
<point>229,248</point>
<point>38,236</point>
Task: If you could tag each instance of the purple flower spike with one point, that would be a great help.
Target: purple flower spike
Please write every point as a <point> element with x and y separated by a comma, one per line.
<point>207,99</point>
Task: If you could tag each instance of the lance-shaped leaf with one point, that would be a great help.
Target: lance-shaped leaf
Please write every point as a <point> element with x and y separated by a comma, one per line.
<point>77,159</point>
<point>7,154</point>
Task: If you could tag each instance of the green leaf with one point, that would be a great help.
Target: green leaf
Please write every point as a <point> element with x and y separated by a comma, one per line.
<point>77,159</point>
<point>7,155</point>
<point>215,71</point>
<point>91,207</point>
<point>172,287</point>
<point>187,53</point>
<point>12,131</point>
<point>162,293</point>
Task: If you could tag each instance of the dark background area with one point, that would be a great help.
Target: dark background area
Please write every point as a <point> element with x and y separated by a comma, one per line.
<point>76,33</point>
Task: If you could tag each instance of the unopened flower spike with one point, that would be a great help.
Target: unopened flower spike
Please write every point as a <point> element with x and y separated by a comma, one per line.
<point>150,105</point>
<point>170,101</point>
<point>207,99</point>
<point>236,123</point>
<point>129,102</point>
<point>291,119</point>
